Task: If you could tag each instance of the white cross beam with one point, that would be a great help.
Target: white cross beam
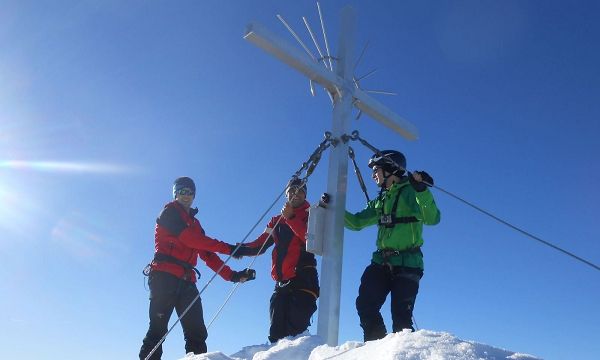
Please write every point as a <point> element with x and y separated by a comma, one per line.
<point>341,86</point>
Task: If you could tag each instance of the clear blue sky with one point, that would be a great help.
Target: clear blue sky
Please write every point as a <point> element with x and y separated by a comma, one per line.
<point>506,96</point>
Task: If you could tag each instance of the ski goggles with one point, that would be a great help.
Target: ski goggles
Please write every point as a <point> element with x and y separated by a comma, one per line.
<point>185,191</point>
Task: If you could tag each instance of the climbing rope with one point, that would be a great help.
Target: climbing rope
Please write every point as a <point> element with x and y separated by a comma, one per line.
<point>309,165</point>
<point>234,288</point>
<point>526,233</point>
<point>355,136</point>
<point>213,276</point>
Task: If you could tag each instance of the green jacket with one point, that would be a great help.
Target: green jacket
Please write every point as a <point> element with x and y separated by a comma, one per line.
<point>402,237</point>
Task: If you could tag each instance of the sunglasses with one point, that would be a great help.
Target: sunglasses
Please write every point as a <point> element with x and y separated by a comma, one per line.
<point>185,191</point>
<point>294,189</point>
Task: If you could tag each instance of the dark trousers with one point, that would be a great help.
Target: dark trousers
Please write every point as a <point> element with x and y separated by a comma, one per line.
<point>376,283</point>
<point>292,305</point>
<point>167,292</point>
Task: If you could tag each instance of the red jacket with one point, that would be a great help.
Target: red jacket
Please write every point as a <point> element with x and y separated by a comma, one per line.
<point>178,234</point>
<point>289,238</point>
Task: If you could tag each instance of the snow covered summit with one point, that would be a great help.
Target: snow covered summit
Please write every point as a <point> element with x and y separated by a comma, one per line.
<point>420,345</point>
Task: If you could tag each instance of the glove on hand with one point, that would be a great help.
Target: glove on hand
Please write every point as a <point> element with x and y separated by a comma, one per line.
<point>242,251</point>
<point>243,276</point>
<point>235,252</point>
<point>420,186</point>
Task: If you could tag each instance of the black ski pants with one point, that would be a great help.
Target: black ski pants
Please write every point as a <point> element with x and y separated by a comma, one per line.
<point>376,283</point>
<point>167,292</point>
<point>293,304</point>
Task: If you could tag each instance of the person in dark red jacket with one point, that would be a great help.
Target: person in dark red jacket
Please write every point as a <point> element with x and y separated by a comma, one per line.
<point>179,240</point>
<point>294,299</point>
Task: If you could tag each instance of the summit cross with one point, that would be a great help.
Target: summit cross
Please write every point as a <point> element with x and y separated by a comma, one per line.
<point>339,82</point>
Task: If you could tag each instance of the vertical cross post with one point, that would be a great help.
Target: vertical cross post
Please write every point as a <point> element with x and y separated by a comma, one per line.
<point>333,246</point>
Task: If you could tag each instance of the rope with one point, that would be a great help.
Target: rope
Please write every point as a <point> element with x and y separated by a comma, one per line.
<point>234,289</point>
<point>223,305</point>
<point>213,277</point>
<point>316,156</point>
<point>259,252</point>
<point>309,166</point>
<point>578,258</point>
<point>355,136</point>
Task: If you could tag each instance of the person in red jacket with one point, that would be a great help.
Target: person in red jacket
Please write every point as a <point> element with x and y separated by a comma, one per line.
<point>178,241</point>
<point>294,270</point>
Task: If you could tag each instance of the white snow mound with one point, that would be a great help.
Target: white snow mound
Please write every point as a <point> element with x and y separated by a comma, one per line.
<point>406,345</point>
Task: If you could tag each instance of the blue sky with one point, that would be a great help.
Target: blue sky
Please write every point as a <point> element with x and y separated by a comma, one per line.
<point>131,95</point>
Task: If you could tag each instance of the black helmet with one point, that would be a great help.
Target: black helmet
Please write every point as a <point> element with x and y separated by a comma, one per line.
<point>296,182</point>
<point>391,161</point>
<point>182,183</point>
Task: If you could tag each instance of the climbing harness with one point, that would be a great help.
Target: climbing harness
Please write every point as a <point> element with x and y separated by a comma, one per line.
<point>160,257</point>
<point>390,220</point>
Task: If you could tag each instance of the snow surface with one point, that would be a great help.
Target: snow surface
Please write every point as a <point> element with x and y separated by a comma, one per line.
<point>406,345</point>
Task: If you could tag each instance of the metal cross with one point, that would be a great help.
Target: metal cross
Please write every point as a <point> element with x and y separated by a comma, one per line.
<point>345,94</point>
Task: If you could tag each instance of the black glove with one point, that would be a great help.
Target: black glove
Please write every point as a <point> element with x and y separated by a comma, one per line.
<point>243,276</point>
<point>241,251</point>
<point>420,186</point>
<point>235,254</point>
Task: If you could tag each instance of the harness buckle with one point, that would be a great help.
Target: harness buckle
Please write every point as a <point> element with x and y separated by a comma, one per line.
<point>282,284</point>
<point>386,220</point>
<point>147,270</point>
<point>387,253</point>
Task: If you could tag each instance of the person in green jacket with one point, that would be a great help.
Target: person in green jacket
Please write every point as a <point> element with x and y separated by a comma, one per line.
<point>404,204</point>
